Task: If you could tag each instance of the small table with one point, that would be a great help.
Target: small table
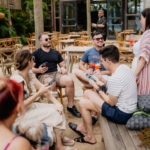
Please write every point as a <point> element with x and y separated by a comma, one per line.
<point>66,42</point>
<point>74,51</point>
<point>74,36</point>
<point>122,35</point>
<point>136,37</point>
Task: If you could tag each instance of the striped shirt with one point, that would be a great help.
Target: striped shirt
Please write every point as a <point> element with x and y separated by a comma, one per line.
<point>122,84</point>
<point>144,75</point>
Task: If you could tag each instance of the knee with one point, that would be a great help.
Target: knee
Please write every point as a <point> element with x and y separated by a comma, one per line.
<point>77,73</point>
<point>82,103</point>
<point>69,81</point>
<point>86,93</point>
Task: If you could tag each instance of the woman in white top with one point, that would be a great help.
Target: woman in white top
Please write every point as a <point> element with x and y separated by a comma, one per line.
<point>136,49</point>
<point>51,114</point>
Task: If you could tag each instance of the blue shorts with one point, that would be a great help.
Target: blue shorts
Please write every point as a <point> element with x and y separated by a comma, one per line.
<point>115,115</point>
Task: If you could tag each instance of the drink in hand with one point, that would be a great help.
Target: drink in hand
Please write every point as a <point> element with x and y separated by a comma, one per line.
<point>97,66</point>
<point>92,64</point>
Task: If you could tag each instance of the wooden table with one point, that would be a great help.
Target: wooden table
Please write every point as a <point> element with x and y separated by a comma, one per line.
<point>136,37</point>
<point>122,35</point>
<point>50,34</point>
<point>68,42</point>
<point>74,51</point>
<point>74,36</point>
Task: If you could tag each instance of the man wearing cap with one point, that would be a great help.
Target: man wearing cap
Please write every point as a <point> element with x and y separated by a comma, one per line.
<point>101,24</point>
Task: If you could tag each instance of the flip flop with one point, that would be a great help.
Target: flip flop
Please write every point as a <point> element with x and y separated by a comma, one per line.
<point>65,143</point>
<point>81,140</point>
<point>69,148</point>
<point>74,127</point>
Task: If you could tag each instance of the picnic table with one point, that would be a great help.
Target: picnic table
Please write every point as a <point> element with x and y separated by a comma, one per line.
<point>118,137</point>
<point>74,36</point>
<point>66,42</point>
<point>74,51</point>
<point>136,37</point>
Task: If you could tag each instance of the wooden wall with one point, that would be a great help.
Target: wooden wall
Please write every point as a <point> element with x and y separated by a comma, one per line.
<point>16,3</point>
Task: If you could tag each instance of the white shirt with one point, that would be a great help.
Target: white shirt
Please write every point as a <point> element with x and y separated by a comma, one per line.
<point>136,47</point>
<point>123,85</point>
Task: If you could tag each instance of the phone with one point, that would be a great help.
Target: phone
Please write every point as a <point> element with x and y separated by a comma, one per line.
<point>44,64</point>
<point>52,81</point>
<point>90,77</point>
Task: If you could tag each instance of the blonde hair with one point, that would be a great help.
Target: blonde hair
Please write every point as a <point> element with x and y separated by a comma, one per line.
<point>32,130</point>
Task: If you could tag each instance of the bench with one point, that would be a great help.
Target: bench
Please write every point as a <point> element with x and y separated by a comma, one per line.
<point>118,137</point>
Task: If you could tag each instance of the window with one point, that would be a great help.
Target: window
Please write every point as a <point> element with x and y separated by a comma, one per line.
<point>133,14</point>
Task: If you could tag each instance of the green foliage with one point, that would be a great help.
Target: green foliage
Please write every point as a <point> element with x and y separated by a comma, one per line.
<point>22,21</point>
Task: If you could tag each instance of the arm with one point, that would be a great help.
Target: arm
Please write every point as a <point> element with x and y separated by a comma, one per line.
<point>62,66</point>
<point>39,70</point>
<point>82,67</point>
<point>100,25</point>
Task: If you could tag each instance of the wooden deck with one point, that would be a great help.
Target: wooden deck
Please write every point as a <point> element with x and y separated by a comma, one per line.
<point>118,137</point>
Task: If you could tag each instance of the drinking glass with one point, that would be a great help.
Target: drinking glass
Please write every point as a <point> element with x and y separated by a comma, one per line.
<point>92,64</point>
<point>97,65</point>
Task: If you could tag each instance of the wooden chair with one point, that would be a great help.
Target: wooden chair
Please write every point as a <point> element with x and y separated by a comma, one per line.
<point>140,32</point>
<point>32,37</point>
<point>118,36</point>
<point>30,34</point>
<point>56,33</point>
<point>8,42</point>
<point>64,38</point>
<point>33,34</point>
<point>60,35</point>
<point>30,44</point>
<point>2,43</point>
<point>14,40</point>
<point>127,32</point>
<point>86,43</point>
<point>54,37</point>
<point>108,43</point>
<point>47,32</point>
<point>76,41</point>
<point>73,33</point>
<point>86,38</point>
<point>7,59</point>
<point>19,47</point>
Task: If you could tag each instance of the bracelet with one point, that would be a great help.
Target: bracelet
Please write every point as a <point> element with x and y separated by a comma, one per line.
<point>98,90</point>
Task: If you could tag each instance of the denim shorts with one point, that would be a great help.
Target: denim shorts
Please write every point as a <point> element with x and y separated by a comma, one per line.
<point>115,115</point>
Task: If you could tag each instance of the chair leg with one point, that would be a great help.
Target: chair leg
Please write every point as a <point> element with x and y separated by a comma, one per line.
<point>61,98</point>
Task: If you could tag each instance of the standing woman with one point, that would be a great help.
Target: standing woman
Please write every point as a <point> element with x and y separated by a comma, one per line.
<point>142,71</point>
<point>11,103</point>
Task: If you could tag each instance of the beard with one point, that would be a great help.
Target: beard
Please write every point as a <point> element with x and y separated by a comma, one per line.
<point>47,46</point>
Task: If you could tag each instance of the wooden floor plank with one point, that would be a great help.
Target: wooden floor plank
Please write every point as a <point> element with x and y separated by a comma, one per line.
<point>108,138</point>
<point>116,135</point>
<point>135,139</point>
<point>126,137</point>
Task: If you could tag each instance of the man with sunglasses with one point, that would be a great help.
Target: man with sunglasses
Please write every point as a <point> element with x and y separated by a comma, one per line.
<point>45,67</point>
<point>92,55</point>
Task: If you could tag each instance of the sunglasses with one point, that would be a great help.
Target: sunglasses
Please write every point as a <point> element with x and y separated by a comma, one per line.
<point>47,39</point>
<point>98,39</point>
<point>33,58</point>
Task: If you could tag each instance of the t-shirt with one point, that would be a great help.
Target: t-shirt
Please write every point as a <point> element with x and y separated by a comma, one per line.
<point>53,57</point>
<point>92,55</point>
<point>122,84</point>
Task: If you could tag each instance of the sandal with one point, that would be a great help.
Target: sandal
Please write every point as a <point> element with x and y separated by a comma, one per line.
<point>81,140</point>
<point>69,148</point>
<point>66,143</point>
<point>74,127</point>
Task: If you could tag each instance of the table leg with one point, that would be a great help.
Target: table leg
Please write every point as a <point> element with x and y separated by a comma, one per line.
<point>68,60</point>
<point>72,61</point>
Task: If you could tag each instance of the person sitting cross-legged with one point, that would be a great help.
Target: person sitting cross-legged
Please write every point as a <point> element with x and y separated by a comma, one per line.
<point>92,55</point>
<point>121,101</point>
<point>45,74</point>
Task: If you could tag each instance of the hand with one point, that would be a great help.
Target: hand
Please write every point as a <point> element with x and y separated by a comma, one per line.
<point>44,89</point>
<point>98,74</point>
<point>42,69</point>
<point>63,70</point>
<point>58,107</point>
<point>137,80</point>
<point>90,71</point>
<point>93,84</point>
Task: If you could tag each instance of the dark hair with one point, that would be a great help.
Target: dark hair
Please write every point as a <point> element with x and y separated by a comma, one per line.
<point>22,58</point>
<point>96,33</point>
<point>146,14</point>
<point>10,96</point>
<point>39,37</point>
<point>111,53</point>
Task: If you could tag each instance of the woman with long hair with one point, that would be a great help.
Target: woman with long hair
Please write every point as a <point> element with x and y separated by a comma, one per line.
<point>50,114</point>
<point>11,104</point>
<point>142,71</point>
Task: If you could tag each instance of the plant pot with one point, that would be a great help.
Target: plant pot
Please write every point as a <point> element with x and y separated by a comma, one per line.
<point>2,15</point>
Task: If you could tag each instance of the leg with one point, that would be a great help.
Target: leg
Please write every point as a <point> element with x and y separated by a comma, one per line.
<point>47,80</point>
<point>81,76</point>
<point>67,82</point>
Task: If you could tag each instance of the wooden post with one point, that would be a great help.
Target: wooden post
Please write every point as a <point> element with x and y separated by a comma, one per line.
<point>9,17</point>
<point>38,20</point>
<point>88,17</point>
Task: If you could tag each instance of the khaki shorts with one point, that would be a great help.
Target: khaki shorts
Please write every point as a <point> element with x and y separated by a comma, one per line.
<point>46,78</point>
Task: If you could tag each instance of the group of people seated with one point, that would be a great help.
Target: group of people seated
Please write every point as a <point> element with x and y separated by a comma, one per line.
<point>114,94</point>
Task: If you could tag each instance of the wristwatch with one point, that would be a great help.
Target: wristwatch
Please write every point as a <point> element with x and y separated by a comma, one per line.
<point>97,90</point>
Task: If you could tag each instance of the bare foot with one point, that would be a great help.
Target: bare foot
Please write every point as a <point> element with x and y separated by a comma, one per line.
<point>69,140</point>
<point>81,128</point>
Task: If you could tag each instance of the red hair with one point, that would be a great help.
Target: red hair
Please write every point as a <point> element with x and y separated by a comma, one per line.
<point>10,96</point>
